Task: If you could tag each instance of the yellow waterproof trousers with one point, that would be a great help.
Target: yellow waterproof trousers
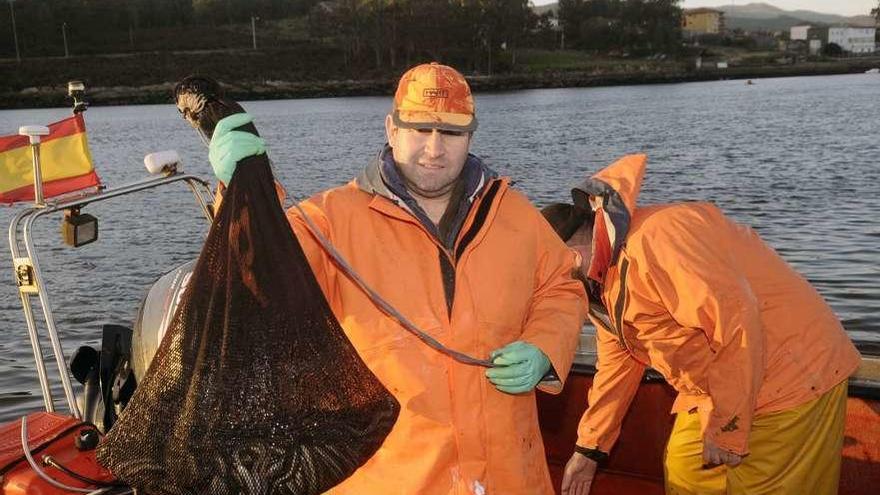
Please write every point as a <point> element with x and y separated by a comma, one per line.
<point>792,452</point>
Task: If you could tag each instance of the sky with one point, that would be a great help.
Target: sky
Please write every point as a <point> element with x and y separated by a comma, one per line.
<point>841,7</point>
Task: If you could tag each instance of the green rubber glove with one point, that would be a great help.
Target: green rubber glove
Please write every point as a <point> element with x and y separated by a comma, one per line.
<point>228,147</point>
<point>519,366</point>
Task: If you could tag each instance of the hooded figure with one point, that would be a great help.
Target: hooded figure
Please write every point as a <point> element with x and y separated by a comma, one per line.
<point>759,360</point>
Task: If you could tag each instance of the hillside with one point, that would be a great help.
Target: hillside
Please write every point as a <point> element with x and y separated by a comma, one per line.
<point>762,16</point>
<point>779,23</point>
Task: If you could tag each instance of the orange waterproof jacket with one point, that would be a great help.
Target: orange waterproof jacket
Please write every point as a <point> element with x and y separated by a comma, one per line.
<point>702,300</point>
<point>456,433</point>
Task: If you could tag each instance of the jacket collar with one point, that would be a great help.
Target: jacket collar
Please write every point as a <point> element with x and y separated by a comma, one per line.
<point>381,177</point>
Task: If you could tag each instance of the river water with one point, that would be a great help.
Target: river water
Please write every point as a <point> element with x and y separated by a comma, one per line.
<point>797,158</point>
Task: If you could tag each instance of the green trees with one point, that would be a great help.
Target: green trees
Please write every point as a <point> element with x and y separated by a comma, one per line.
<point>482,36</point>
<point>632,26</point>
<point>107,26</point>
<point>832,50</point>
<point>395,33</point>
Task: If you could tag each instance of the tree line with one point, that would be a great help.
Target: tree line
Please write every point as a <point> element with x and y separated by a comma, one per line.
<point>481,35</point>
<point>394,33</point>
<point>622,25</point>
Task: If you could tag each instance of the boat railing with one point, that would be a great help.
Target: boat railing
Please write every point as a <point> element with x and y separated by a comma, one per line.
<point>26,264</point>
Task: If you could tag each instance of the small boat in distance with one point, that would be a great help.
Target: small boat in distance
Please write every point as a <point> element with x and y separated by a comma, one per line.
<point>875,70</point>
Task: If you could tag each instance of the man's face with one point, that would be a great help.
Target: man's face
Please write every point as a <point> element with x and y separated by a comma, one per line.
<point>581,242</point>
<point>430,160</point>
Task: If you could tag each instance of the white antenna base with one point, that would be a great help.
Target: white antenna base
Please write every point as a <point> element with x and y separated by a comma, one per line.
<point>33,132</point>
<point>162,162</point>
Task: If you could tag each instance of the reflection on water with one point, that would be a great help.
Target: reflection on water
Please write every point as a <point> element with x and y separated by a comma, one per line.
<point>796,158</point>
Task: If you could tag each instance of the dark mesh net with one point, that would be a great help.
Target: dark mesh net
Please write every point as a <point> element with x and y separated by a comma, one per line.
<point>255,388</point>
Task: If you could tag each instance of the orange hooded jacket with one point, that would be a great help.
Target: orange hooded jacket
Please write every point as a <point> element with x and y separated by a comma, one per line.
<point>706,303</point>
<point>456,433</point>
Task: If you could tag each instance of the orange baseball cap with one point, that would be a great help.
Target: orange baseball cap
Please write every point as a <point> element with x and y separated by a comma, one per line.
<point>434,96</point>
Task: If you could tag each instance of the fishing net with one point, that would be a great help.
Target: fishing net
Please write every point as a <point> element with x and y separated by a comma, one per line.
<point>255,388</point>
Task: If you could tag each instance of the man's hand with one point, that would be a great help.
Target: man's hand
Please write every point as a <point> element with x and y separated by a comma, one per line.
<point>228,146</point>
<point>579,473</point>
<point>519,366</point>
<point>713,455</point>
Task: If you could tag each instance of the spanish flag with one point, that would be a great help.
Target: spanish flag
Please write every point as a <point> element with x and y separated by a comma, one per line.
<point>65,162</point>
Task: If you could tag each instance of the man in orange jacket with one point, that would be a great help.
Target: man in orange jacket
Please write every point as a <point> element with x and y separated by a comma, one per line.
<point>759,360</point>
<point>433,230</point>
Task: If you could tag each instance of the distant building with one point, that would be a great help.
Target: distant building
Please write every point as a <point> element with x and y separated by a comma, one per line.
<point>703,21</point>
<point>853,39</point>
<point>817,39</point>
<point>799,32</point>
<point>858,40</point>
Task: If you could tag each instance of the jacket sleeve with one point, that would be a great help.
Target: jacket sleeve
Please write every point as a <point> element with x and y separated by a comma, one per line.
<point>615,383</point>
<point>701,287</point>
<point>558,308</point>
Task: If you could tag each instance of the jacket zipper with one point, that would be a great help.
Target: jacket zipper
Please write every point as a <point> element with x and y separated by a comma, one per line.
<point>449,261</point>
<point>614,324</point>
<point>620,305</point>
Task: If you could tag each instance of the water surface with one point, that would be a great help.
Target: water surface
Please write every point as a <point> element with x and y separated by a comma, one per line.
<point>796,158</point>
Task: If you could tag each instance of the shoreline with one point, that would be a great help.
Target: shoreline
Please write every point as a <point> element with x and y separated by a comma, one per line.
<point>56,95</point>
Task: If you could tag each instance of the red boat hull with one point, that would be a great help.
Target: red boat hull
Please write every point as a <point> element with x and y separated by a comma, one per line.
<point>635,466</point>
<point>48,434</point>
<point>636,463</point>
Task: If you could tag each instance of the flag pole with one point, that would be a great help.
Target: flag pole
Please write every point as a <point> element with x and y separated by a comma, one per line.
<point>33,132</point>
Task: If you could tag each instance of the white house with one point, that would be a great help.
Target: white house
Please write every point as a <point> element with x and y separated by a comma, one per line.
<point>799,32</point>
<point>853,39</point>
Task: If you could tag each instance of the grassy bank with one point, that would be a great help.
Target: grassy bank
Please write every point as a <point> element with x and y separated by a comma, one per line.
<point>314,70</point>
